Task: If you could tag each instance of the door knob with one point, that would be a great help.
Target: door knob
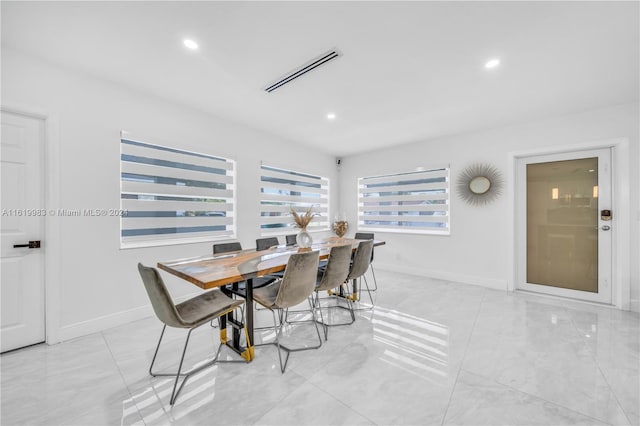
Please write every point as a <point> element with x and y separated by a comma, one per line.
<point>605,227</point>
<point>32,244</point>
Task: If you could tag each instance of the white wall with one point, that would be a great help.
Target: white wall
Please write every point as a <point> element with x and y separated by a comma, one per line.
<point>477,251</point>
<point>96,284</point>
<point>92,284</point>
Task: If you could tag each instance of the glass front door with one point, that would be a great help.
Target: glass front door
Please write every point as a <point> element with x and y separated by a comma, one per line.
<point>565,236</point>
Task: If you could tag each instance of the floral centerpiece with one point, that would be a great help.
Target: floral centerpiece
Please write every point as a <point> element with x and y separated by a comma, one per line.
<point>302,220</point>
<point>340,227</point>
<point>340,224</point>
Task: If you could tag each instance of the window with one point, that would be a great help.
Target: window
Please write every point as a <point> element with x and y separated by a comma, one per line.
<point>282,189</point>
<point>412,202</point>
<point>172,196</point>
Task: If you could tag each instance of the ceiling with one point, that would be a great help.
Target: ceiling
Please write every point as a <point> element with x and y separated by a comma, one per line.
<point>409,71</point>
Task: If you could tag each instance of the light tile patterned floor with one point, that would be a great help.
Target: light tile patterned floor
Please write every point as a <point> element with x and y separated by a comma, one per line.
<point>430,353</point>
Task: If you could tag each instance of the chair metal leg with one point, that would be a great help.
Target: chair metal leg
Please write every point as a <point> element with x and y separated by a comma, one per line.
<point>375,281</point>
<point>316,304</point>
<point>351,310</point>
<point>357,283</point>
<point>286,311</point>
<point>189,373</point>
<point>177,375</point>
<point>343,290</point>
<point>278,331</point>
<point>156,352</point>
<point>366,283</point>
<point>174,394</point>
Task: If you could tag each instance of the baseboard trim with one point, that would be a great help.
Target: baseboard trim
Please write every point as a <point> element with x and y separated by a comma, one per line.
<point>491,283</point>
<point>105,322</point>
<point>634,304</point>
<point>116,319</point>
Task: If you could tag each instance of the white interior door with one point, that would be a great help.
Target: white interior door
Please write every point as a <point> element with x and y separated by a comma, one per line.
<point>22,268</point>
<point>564,230</point>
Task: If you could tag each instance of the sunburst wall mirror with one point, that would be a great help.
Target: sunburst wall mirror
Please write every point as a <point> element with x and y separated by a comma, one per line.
<point>479,184</point>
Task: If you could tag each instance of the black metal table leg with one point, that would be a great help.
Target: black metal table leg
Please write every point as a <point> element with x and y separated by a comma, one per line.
<point>249,317</point>
<point>239,324</point>
<point>246,322</point>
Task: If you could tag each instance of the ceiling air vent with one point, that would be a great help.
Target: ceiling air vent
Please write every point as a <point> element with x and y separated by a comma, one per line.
<point>299,71</point>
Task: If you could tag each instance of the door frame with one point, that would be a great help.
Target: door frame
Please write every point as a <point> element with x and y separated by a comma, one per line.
<point>620,199</point>
<point>604,241</point>
<point>51,237</point>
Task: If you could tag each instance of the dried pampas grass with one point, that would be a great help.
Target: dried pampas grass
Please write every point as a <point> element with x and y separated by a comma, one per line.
<point>303,220</point>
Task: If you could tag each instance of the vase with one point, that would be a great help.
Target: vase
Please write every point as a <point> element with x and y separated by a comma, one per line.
<point>340,227</point>
<point>303,239</point>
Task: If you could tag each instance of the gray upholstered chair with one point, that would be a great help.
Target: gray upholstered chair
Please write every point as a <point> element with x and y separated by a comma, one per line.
<point>189,314</point>
<point>226,247</point>
<point>291,239</point>
<point>297,284</point>
<point>334,275</point>
<point>368,236</point>
<point>266,243</point>
<point>359,266</point>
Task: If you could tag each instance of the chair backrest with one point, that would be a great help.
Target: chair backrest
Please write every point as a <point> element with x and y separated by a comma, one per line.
<point>299,279</point>
<point>159,296</point>
<point>291,239</point>
<point>226,247</point>
<point>337,268</point>
<point>265,243</point>
<point>361,259</point>
<point>365,236</point>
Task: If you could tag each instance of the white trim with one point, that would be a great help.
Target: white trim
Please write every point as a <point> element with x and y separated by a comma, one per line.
<point>188,146</point>
<point>115,319</point>
<point>421,168</point>
<point>421,231</point>
<point>621,267</point>
<point>604,242</point>
<point>621,288</point>
<point>491,283</point>
<point>564,299</point>
<point>276,165</point>
<point>53,252</point>
<point>510,192</point>
<point>287,231</point>
<point>51,244</point>
<point>177,241</point>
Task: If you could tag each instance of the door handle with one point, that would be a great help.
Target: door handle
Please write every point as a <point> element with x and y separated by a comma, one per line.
<point>32,244</point>
<point>605,227</point>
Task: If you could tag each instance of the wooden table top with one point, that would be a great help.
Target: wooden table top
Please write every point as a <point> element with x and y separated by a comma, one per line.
<point>216,270</point>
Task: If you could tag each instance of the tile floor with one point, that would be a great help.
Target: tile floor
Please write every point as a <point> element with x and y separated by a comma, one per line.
<point>430,353</point>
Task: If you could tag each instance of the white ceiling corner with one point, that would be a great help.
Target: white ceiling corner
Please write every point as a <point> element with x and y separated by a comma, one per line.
<point>410,71</point>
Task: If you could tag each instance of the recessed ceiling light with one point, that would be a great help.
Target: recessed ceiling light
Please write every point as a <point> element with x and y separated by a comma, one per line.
<point>331,116</point>
<point>190,44</point>
<point>492,63</point>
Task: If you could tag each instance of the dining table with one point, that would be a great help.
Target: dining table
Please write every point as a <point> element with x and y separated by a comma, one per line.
<point>227,270</point>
